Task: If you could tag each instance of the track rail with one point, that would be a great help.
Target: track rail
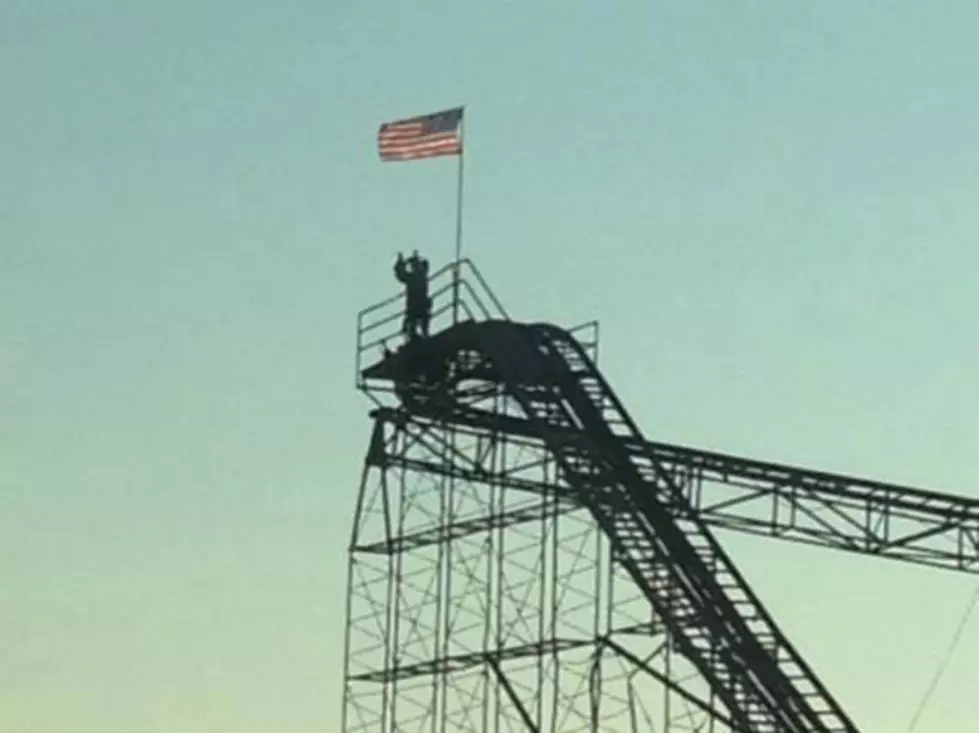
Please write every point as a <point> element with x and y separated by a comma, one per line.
<point>671,554</point>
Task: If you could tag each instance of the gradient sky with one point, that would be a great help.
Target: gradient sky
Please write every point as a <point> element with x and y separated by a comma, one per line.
<point>770,206</point>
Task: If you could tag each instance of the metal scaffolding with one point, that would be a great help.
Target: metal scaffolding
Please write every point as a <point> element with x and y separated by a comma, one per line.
<point>484,594</point>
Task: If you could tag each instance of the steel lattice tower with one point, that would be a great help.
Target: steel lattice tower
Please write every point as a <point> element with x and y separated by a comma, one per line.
<point>496,585</point>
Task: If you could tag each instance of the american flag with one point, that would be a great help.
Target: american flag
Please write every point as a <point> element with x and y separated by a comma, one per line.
<point>421,137</point>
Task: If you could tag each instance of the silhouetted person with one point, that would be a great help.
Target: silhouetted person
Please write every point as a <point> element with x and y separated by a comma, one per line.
<point>424,303</point>
<point>413,272</point>
<point>402,271</point>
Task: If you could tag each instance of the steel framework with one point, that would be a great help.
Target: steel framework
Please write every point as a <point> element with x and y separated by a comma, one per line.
<point>522,559</point>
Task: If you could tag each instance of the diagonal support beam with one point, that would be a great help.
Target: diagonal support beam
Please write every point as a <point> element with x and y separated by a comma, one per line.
<point>672,685</point>
<point>512,694</point>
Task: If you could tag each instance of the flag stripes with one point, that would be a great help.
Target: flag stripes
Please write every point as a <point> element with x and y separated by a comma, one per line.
<point>428,136</point>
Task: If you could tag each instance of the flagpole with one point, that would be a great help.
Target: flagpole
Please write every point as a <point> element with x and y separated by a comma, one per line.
<point>458,251</point>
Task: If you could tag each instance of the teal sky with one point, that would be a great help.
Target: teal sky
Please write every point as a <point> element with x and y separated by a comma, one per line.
<point>770,206</point>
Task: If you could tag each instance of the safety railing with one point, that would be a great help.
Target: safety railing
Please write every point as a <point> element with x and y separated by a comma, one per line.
<point>587,335</point>
<point>380,327</point>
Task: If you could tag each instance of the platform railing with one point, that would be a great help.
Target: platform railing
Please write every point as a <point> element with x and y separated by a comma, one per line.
<point>587,335</point>
<point>379,327</point>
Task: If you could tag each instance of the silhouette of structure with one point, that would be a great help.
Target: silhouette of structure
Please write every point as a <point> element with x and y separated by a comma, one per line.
<point>523,559</point>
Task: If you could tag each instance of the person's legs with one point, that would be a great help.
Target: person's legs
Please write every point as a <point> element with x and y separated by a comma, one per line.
<point>426,316</point>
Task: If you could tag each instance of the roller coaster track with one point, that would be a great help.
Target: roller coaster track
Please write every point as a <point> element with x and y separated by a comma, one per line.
<point>656,503</point>
<point>671,554</point>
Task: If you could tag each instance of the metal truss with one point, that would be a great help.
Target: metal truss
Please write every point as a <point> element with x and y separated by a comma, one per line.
<point>482,597</point>
<point>475,605</point>
<point>786,502</point>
